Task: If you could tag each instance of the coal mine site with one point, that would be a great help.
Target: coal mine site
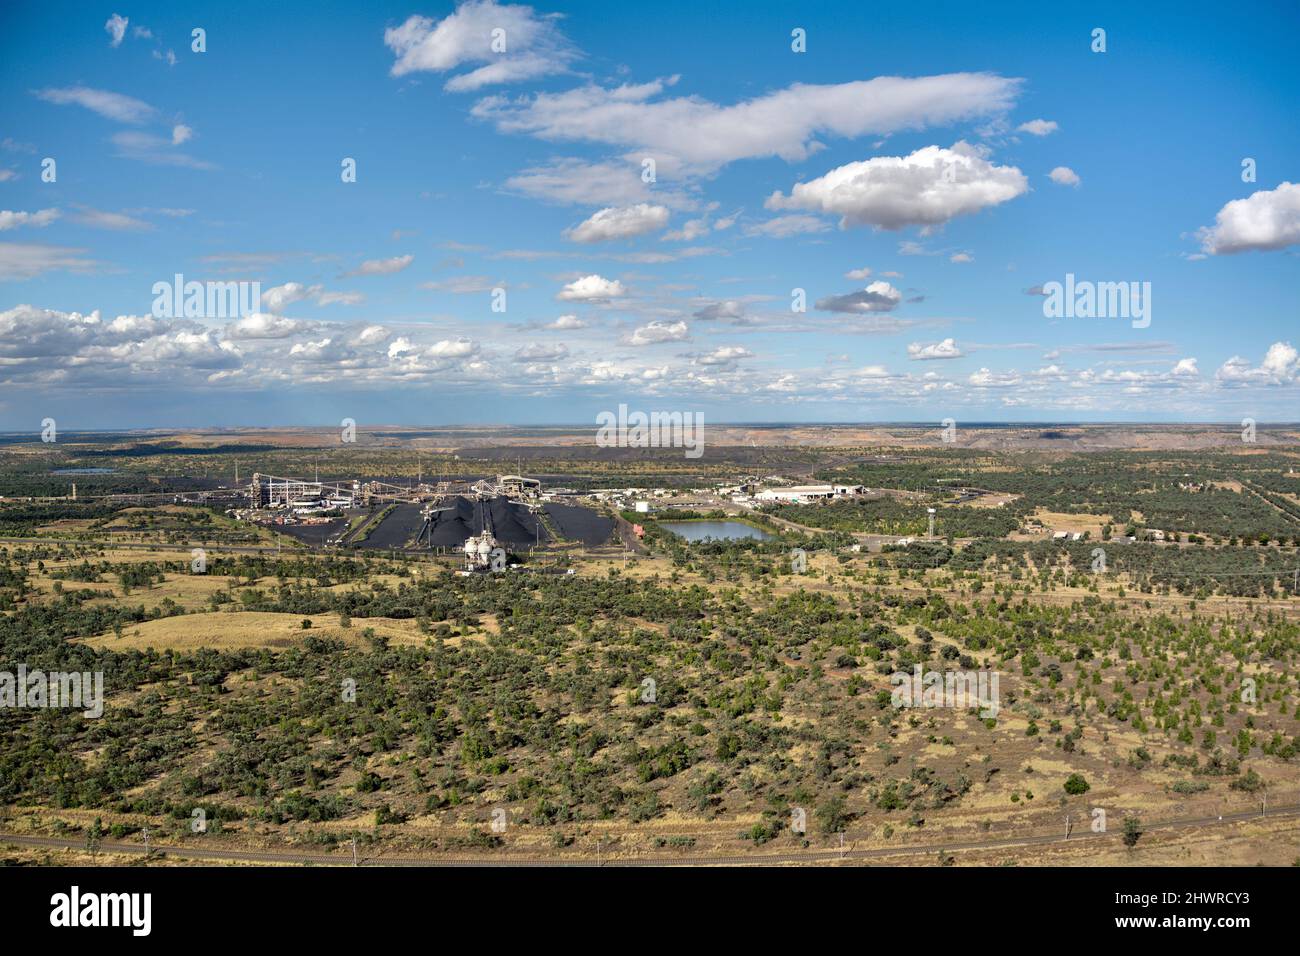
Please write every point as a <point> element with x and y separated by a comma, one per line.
<point>511,523</point>
<point>576,523</point>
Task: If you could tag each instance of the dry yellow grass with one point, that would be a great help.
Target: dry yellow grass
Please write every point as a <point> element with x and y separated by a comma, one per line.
<point>189,591</point>
<point>1061,521</point>
<point>991,501</point>
<point>250,629</point>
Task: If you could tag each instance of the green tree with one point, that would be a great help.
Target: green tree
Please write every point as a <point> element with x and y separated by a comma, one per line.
<point>1132,831</point>
<point>832,815</point>
<point>1075,785</point>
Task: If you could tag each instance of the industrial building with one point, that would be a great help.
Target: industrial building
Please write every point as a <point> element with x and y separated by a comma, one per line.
<point>268,491</point>
<point>801,494</point>
<point>516,486</point>
<point>271,491</point>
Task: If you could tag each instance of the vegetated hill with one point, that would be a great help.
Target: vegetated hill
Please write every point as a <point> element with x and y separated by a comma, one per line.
<point>1167,681</point>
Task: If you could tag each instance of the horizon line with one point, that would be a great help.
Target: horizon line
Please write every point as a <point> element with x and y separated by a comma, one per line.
<point>719,424</point>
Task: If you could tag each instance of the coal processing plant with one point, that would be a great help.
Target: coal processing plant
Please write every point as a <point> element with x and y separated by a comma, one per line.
<point>507,513</point>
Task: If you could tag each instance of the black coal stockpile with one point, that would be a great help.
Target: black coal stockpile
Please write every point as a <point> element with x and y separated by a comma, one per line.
<point>580,524</point>
<point>399,527</point>
<point>312,534</point>
<point>512,523</point>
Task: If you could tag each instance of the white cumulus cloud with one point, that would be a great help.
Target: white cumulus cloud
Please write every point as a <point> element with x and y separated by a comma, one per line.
<point>986,379</point>
<point>655,332</point>
<point>725,356</point>
<point>263,325</point>
<point>1266,220</point>
<point>926,188</point>
<point>592,288</point>
<point>619,223</point>
<point>947,349</point>
<point>1281,366</point>
<point>116,29</point>
<point>1064,176</point>
<point>512,42</point>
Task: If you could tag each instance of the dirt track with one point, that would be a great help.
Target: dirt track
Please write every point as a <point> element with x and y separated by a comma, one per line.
<point>847,854</point>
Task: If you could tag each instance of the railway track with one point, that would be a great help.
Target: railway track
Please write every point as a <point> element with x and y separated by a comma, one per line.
<point>846,854</point>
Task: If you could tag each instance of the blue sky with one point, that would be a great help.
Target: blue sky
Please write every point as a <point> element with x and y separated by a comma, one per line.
<point>921,172</point>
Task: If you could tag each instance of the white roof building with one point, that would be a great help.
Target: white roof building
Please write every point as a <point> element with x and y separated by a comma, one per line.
<point>797,493</point>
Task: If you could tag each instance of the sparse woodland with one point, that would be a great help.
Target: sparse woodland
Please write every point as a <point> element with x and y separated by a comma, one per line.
<point>770,689</point>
